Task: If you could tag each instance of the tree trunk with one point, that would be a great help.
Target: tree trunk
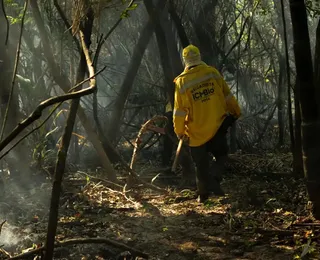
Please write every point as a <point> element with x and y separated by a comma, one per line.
<point>127,84</point>
<point>185,160</point>
<point>317,65</point>
<point>65,142</point>
<point>163,50</point>
<point>207,41</point>
<point>308,102</point>
<point>178,23</point>
<point>64,84</point>
<point>175,60</point>
<point>281,100</point>
<point>297,153</point>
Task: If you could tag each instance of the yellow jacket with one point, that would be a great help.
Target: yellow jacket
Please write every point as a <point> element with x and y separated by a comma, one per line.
<point>202,101</point>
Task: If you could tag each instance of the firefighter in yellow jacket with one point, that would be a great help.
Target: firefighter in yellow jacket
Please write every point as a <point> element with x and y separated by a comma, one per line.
<point>204,109</point>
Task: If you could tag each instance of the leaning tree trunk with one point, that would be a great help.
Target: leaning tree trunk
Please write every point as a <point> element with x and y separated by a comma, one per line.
<point>64,83</point>
<point>178,23</point>
<point>65,142</point>
<point>308,102</point>
<point>127,84</point>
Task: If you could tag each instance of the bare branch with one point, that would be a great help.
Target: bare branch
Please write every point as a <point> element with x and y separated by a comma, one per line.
<point>73,241</point>
<point>103,40</point>
<point>31,132</point>
<point>7,22</point>
<point>36,114</point>
<point>14,70</point>
<point>66,22</point>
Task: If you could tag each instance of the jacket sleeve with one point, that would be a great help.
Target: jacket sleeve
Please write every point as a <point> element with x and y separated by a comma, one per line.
<point>180,112</point>
<point>232,104</point>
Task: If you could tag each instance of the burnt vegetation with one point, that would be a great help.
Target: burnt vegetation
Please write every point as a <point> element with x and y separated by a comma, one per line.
<point>87,145</point>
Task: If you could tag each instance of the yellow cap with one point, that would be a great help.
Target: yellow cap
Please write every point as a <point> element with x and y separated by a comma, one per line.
<point>190,51</point>
<point>191,56</point>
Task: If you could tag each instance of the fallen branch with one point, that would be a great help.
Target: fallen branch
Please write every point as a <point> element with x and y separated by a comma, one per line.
<point>74,241</point>
<point>4,252</point>
<point>306,225</point>
<point>273,232</point>
<point>137,147</point>
<point>144,128</point>
<point>102,180</point>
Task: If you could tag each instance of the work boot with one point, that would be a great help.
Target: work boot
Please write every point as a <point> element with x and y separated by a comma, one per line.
<point>202,198</point>
<point>216,188</point>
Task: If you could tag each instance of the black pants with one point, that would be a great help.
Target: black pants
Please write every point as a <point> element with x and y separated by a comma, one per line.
<point>208,170</point>
<point>168,144</point>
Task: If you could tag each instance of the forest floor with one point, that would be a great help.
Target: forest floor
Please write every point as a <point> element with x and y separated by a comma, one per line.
<point>264,215</point>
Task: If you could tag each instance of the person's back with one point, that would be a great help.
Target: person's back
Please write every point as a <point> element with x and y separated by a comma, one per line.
<point>202,94</point>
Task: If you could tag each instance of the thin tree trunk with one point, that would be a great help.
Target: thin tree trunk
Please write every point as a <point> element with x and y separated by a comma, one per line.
<point>65,84</point>
<point>65,142</point>
<point>233,131</point>
<point>288,79</point>
<point>163,51</point>
<point>127,84</point>
<point>175,60</point>
<point>185,159</point>
<point>297,153</point>
<point>178,23</point>
<point>280,102</point>
<point>317,65</point>
<point>308,102</point>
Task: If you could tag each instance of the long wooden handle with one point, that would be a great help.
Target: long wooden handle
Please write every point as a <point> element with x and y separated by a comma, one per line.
<point>175,162</point>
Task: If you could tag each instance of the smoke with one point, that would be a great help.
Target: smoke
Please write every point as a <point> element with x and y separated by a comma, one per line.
<point>8,237</point>
<point>24,202</point>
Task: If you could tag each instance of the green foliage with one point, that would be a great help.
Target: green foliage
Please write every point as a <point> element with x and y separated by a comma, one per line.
<point>125,13</point>
<point>313,7</point>
<point>14,12</point>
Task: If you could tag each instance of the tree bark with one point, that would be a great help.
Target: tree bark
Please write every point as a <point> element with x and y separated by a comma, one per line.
<point>65,142</point>
<point>185,159</point>
<point>297,152</point>
<point>127,84</point>
<point>178,23</point>
<point>317,65</point>
<point>163,50</point>
<point>284,36</point>
<point>308,102</point>
<point>64,84</point>
<point>281,100</point>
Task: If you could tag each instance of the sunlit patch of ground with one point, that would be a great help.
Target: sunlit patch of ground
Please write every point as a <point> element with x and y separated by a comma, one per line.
<point>256,220</point>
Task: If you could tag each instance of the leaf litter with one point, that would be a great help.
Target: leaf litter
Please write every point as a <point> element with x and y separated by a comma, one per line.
<point>265,215</point>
